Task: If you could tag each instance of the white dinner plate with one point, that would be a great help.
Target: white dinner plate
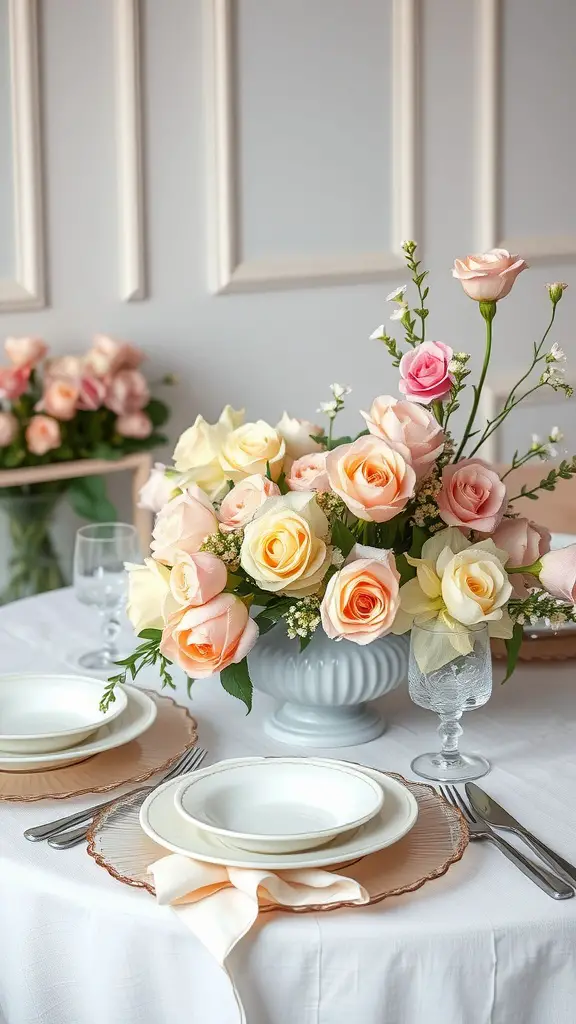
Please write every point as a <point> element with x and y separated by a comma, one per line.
<point>281,805</point>
<point>558,540</point>
<point>41,711</point>
<point>162,823</point>
<point>138,716</point>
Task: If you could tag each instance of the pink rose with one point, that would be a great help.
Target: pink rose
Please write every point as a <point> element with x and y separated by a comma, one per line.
<point>488,276</point>
<point>107,356</point>
<point>91,393</point>
<point>472,496</point>
<point>525,542</point>
<point>64,366</point>
<point>425,372</point>
<point>297,437</point>
<point>127,392</point>
<point>43,435</point>
<point>25,351</point>
<point>183,525</point>
<point>373,480</point>
<point>13,381</point>
<point>243,501</point>
<point>205,640</point>
<point>60,399</point>
<point>409,429</point>
<point>309,473</point>
<point>134,424</point>
<point>361,600</point>
<point>8,428</point>
<point>157,490</point>
<point>197,578</point>
<point>558,573</point>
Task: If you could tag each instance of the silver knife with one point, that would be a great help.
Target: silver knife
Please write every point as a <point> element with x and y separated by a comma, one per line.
<point>492,812</point>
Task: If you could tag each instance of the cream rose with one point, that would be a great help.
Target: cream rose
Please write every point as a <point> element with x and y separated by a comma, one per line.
<point>309,473</point>
<point>296,434</point>
<point>409,429</point>
<point>183,525</point>
<point>475,585</point>
<point>250,449</point>
<point>197,578</point>
<point>488,276</point>
<point>149,601</point>
<point>243,501</point>
<point>361,600</point>
<point>285,547</point>
<point>25,351</point>
<point>158,489</point>
<point>197,453</point>
<point>373,480</point>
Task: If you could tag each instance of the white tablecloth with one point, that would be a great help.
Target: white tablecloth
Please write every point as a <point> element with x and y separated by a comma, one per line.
<point>481,945</point>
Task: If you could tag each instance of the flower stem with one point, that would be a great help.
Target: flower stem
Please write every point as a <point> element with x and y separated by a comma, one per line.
<point>488,311</point>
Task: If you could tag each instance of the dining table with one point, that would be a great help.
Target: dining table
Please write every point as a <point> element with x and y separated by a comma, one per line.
<point>479,945</point>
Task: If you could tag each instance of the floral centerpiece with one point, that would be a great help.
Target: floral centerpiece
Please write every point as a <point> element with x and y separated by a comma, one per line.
<point>355,535</point>
<point>95,406</point>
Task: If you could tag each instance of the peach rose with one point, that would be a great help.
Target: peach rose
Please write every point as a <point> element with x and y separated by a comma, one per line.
<point>91,393</point>
<point>361,600</point>
<point>43,435</point>
<point>409,429</point>
<point>205,640</point>
<point>107,356</point>
<point>285,547</point>
<point>196,578</point>
<point>158,488</point>
<point>183,525</point>
<point>425,372</point>
<point>525,543</point>
<point>250,449</point>
<point>60,399</point>
<point>127,392</point>
<point>25,351</point>
<point>8,428</point>
<point>64,366</point>
<point>472,495</point>
<point>134,424</point>
<point>13,381</point>
<point>373,480</point>
<point>296,434</point>
<point>308,473</point>
<point>243,501</point>
<point>558,573</point>
<point>488,276</point>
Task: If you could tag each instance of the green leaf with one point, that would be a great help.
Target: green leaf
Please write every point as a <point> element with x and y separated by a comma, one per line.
<point>189,684</point>
<point>407,571</point>
<point>362,433</point>
<point>87,495</point>
<point>106,451</point>
<point>342,537</point>
<point>513,650</point>
<point>158,412</point>
<point>320,438</point>
<point>304,641</point>
<point>282,485</point>
<point>419,536</point>
<point>150,634</point>
<point>272,614</point>
<point>236,681</point>
<point>337,441</point>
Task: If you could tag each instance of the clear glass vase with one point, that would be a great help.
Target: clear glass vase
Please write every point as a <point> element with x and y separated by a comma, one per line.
<point>30,560</point>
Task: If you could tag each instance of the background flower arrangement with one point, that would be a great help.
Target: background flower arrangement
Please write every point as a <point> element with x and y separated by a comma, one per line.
<point>358,536</point>
<point>95,406</point>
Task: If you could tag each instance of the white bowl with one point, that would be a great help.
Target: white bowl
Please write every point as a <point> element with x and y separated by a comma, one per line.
<point>40,713</point>
<point>282,805</point>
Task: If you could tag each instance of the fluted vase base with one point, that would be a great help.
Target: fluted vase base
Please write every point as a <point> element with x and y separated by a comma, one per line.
<point>324,727</point>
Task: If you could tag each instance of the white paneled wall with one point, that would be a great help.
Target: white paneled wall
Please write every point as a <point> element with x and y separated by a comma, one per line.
<point>227,182</point>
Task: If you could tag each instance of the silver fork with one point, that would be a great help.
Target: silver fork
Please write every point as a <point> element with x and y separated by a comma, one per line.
<point>551,884</point>
<point>190,759</point>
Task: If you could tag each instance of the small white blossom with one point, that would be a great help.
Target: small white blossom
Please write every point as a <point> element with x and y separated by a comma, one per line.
<point>377,334</point>
<point>340,390</point>
<point>330,408</point>
<point>396,295</point>
<point>555,434</point>
<point>536,441</point>
<point>551,451</point>
<point>398,313</point>
<point>556,354</point>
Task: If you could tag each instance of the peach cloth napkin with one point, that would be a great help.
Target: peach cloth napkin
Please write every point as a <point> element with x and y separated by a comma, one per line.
<point>220,904</point>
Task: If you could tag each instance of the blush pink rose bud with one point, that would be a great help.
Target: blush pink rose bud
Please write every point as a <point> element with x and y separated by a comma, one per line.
<point>13,381</point>
<point>157,491</point>
<point>525,543</point>
<point>127,392</point>
<point>362,599</point>
<point>206,640</point>
<point>488,276</point>
<point>373,480</point>
<point>242,502</point>
<point>8,428</point>
<point>197,578</point>
<point>558,573</point>
<point>60,399</point>
<point>472,496</point>
<point>108,356</point>
<point>425,372</point>
<point>308,473</point>
<point>408,429</point>
<point>91,393</point>
<point>43,435</point>
<point>25,351</point>
<point>134,424</point>
<point>183,525</point>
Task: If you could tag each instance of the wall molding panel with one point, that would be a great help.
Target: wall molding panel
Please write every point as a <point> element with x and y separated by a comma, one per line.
<point>228,272</point>
<point>489,150</point>
<point>131,238</point>
<point>26,290</point>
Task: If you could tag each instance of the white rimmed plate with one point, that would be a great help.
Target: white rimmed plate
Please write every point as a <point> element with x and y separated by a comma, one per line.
<point>161,822</point>
<point>43,712</point>
<point>138,716</point>
<point>281,805</point>
<point>558,540</point>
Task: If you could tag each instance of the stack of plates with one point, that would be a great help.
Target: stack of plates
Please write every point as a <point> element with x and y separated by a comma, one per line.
<point>49,721</point>
<point>279,813</point>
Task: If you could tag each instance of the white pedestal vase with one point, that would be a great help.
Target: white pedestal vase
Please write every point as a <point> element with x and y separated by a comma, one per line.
<point>325,690</point>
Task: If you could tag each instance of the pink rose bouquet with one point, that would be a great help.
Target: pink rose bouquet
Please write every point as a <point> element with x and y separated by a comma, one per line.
<point>261,526</point>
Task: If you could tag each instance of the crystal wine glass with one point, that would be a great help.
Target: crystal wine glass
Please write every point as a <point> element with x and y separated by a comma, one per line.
<point>101,580</point>
<point>449,672</point>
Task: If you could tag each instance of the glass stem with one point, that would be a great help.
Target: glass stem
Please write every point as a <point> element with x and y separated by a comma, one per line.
<point>450,732</point>
<point>110,630</point>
